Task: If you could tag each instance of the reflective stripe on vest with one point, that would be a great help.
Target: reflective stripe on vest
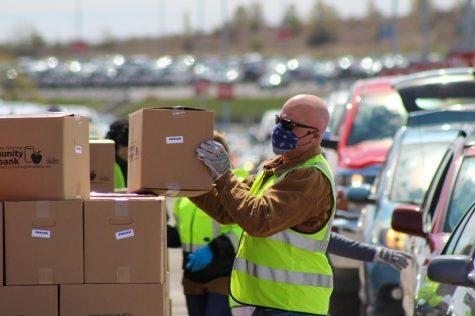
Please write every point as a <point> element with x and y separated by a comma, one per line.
<point>285,276</point>
<point>234,238</point>
<point>300,242</point>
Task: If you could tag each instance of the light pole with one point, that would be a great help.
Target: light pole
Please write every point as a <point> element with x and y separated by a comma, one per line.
<point>426,30</point>
<point>394,44</point>
<point>469,26</point>
<point>224,55</point>
<point>78,20</point>
<point>161,41</point>
<point>200,44</point>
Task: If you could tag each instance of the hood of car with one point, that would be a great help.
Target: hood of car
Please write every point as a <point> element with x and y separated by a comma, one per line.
<point>364,154</point>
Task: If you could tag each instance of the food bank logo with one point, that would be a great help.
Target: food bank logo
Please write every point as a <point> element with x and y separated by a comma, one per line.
<point>16,155</point>
<point>32,156</point>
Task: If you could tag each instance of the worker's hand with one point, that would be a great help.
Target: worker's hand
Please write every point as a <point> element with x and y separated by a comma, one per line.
<point>199,259</point>
<point>215,157</point>
<point>397,259</point>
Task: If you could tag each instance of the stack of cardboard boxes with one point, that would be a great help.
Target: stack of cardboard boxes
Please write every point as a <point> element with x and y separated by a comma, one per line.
<point>70,253</point>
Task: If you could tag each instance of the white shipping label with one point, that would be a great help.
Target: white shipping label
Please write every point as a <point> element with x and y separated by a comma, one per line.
<point>174,139</point>
<point>78,149</point>
<point>124,234</point>
<point>38,233</point>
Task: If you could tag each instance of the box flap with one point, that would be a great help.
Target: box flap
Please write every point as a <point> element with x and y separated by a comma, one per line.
<point>101,141</point>
<point>45,115</point>
<point>128,196</point>
<point>177,108</point>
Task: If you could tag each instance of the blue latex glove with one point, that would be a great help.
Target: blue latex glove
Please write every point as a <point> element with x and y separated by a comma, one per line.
<point>199,259</point>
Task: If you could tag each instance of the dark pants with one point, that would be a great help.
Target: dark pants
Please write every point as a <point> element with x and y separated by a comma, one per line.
<point>260,311</point>
<point>208,305</point>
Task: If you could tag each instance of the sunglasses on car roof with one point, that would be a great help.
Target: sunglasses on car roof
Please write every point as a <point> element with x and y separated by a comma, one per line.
<point>288,124</point>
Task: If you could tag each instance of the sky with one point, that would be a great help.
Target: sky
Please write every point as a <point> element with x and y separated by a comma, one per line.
<point>56,19</point>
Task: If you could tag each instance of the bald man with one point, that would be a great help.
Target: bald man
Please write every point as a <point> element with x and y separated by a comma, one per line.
<point>285,211</point>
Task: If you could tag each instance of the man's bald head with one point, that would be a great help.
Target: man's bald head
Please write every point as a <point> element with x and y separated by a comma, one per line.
<point>309,110</point>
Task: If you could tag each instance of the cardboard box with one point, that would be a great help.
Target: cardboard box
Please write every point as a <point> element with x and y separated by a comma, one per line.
<point>113,299</point>
<point>1,245</point>
<point>162,151</point>
<point>124,240</point>
<point>44,242</point>
<point>102,154</point>
<point>29,300</point>
<point>44,157</point>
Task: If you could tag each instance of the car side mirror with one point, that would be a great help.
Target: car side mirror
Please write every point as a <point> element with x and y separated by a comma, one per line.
<point>361,194</point>
<point>452,269</point>
<point>408,219</point>
<point>329,141</point>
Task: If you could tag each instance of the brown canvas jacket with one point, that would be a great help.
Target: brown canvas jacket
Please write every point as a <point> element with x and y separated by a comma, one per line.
<point>301,201</point>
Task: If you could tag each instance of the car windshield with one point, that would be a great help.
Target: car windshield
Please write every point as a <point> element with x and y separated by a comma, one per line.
<point>463,194</point>
<point>379,116</point>
<point>416,165</point>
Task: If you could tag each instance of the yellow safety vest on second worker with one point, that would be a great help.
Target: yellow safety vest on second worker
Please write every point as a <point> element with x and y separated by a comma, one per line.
<point>197,229</point>
<point>288,270</point>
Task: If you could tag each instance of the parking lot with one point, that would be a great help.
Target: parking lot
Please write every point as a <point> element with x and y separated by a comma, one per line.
<point>330,146</point>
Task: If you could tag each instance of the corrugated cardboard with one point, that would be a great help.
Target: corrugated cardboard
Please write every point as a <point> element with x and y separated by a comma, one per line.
<point>102,154</point>
<point>112,299</point>
<point>162,151</point>
<point>44,157</point>
<point>1,245</point>
<point>44,242</point>
<point>29,300</point>
<point>124,240</point>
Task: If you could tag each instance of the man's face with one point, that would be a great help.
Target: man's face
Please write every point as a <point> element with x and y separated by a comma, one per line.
<point>304,135</point>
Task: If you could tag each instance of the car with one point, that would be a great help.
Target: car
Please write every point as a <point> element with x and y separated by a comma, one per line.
<point>450,193</point>
<point>372,116</point>
<point>336,103</point>
<point>433,219</point>
<point>450,286</point>
<point>418,149</point>
<point>411,163</point>
<point>362,136</point>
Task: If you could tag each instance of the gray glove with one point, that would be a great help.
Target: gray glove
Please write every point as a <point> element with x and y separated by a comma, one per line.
<point>397,259</point>
<point>215,157</point>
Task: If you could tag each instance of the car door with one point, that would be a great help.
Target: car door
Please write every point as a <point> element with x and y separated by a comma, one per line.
<point>411,276</point>
<point>462,301</point>
<point>436,298</point>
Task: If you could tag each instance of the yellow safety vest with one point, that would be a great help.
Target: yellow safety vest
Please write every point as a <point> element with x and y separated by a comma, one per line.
<point>288,270</point>
<point>197,229</point>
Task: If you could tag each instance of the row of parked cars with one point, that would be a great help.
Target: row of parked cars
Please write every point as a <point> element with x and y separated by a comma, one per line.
<point>98,122</point>
<point>141,70</point>
<point>405,168</point>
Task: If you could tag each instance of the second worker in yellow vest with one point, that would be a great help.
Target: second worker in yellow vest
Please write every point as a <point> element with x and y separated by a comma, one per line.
<point>286,212</point>
<point>209,249</point>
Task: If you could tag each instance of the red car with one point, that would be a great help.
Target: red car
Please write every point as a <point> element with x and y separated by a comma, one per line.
<point>364,128</point>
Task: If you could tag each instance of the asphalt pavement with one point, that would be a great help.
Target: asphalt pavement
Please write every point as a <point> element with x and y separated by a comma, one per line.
<point>176,290</point>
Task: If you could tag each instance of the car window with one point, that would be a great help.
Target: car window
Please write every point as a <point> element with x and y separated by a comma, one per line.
<point>416,166</point>
<point>466,241</point>
<point>438,103</point>
<point>462,241</point>
<point>432,196</point>
<point>463,194</point>
<point>337,118</point>
<point>378,117</point>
